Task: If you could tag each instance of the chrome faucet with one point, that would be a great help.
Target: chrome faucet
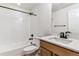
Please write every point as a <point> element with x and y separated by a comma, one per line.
<point>64,34</point>
<point>67,34</point>
<point>61,34</point>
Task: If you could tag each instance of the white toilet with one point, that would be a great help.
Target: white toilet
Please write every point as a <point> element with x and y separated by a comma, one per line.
<point>30,49</point>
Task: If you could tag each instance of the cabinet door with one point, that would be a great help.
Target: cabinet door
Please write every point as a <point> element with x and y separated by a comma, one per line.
<point>45,52</point>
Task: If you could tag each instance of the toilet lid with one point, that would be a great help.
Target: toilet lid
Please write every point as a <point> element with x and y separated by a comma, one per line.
<point>29,48</point>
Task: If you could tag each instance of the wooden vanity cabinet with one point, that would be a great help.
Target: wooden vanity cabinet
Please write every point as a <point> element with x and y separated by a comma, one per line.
<point>48,49</point>
<point>44,52</point>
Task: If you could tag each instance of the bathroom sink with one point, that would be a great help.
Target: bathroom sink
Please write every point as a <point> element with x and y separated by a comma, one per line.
<point>65,41</point>
<point>61,40</point>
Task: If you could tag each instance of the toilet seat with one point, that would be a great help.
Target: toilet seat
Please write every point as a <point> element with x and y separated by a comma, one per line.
<point>29,48</point>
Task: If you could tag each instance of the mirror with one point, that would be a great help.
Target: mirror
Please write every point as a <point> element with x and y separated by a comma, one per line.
<point>73,21</point>
<point>66,19</point>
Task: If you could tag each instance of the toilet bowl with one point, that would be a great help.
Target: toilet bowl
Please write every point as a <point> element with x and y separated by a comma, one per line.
<point>30,49</point>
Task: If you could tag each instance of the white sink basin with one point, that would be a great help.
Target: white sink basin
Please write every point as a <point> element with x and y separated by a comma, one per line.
<point>61,40</point>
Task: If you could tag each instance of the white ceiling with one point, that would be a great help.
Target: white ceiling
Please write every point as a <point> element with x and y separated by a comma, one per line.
<point>22,5</point>
<point>57,6</point>
<point>28,5</point>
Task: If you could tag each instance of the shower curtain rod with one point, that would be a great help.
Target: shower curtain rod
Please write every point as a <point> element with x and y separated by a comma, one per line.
<point>18,10</point>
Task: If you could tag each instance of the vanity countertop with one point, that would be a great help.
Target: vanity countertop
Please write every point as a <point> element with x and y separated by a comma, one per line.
<point>74,45</point>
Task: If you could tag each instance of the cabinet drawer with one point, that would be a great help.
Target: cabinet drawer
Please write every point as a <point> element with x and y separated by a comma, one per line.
<point>58,50</point>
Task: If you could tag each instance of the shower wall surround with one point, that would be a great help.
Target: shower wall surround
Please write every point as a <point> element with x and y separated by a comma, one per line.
<point>14,30</point>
